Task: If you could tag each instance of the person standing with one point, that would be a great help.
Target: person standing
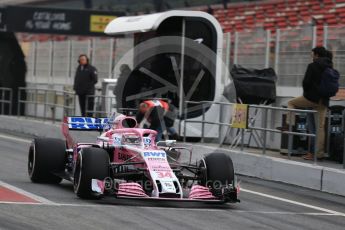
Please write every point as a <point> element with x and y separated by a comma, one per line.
<point>84,84</point>
<point>312,98</point>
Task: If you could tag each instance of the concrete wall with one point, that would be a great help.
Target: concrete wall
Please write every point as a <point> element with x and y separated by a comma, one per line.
<point>333,181</point>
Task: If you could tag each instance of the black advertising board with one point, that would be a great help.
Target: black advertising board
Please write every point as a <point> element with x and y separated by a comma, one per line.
<point>57,21</point>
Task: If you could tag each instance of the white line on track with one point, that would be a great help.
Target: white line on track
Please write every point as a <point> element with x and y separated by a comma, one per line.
<point>15,202</point>
<point>12,138</point>
<point>110,206</point>
<point>25,193</point>
<point>173,209</point>
<point>286,213</point>
<point>294,202</point>
<point>19,190</point>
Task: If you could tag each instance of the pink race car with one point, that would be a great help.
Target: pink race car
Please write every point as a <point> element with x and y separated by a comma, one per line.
<point>125,162</point>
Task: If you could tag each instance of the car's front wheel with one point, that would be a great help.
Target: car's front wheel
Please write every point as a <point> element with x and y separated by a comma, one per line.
<point>218,173</point>
<point>92,163</point>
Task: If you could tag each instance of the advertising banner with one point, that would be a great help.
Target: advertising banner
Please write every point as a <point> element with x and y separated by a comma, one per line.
<point>57,21</point>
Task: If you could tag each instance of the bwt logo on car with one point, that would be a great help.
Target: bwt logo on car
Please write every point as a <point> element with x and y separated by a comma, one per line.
<point>154,154</point>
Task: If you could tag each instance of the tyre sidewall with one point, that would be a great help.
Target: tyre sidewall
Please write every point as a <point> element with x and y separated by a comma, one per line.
<point>48,157</point>
<point>92,163</point>
<point>219,170</point>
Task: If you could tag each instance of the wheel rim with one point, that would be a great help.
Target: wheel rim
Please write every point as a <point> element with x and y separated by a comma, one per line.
<point>77,173</point>
<point>204,174</point>
<point>31,160</point>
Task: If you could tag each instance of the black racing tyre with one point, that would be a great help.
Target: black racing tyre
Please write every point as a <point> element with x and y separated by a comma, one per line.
<point>219,170</point>
<point>46,157</point>
<point>92,163</point>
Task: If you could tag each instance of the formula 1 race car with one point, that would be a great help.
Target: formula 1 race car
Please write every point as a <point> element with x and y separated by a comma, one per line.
<point>126,162</point>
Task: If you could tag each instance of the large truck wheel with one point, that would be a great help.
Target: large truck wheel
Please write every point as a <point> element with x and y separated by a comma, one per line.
<point>46,157</point>
<point>92,163</point>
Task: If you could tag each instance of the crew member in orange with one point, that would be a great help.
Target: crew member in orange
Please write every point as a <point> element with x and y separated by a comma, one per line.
<point>153,110</point>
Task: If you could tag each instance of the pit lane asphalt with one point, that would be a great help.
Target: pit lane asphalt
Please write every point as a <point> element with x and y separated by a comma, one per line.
<point>262,205</point>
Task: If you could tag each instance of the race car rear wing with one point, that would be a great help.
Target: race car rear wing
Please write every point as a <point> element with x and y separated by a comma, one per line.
<point>87,123</point>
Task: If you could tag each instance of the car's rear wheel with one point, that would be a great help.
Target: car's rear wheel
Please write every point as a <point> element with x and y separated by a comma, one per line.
<point>46,157</point>
<point>92,163</point>
<point>219,170</point>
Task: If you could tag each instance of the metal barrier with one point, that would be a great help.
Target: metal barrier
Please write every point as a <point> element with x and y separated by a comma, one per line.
<point>5,100</point>
<point>334,41</point>
<point>103,106</point>
<point>288,51</point>
<point>46,103</point>
<point>292,54</point>
<point>203,105</point>
<point>55,62</point>
<point>55,104</point>
<point>252,49</point>
<point>251,123</point>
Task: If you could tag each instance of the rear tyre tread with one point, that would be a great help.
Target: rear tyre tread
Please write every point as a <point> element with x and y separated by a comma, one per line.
<point>46,157</point>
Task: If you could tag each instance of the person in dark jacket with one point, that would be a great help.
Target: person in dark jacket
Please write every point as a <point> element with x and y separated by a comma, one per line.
<point>311,97</point>
<point>84,84</point>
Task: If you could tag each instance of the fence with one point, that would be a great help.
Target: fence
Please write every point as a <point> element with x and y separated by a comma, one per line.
<point>252,49</point>
<point>55,104</point>
<point>55,62</point>
<point>334,41</point>
<point>6,100</point>
<point>252,124</point>
<point>293,54</point>
<point>102,105</point>
<point>285,50</point>
<point>46,103</point>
